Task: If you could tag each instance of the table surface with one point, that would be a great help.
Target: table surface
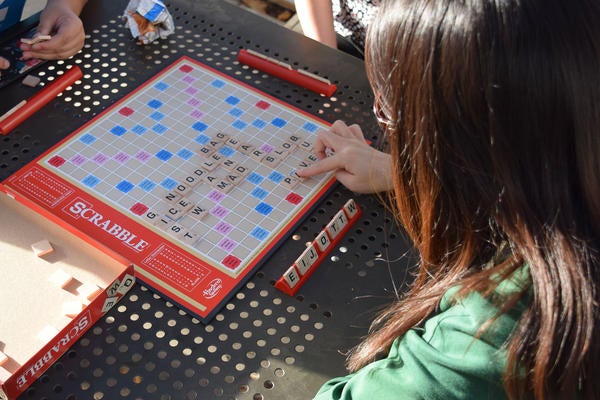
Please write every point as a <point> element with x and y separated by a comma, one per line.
<point>263,344</point>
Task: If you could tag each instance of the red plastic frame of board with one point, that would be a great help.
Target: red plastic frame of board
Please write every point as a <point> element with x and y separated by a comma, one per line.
<point>294,275</point>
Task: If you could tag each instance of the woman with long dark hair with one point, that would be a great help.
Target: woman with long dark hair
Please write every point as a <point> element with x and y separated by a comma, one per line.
<point>491,109</point>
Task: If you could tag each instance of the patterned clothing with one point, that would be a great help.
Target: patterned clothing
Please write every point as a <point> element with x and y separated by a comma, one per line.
<point>351,18</point>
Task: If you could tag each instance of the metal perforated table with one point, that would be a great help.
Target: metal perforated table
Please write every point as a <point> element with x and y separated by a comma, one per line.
<point>263,344</point>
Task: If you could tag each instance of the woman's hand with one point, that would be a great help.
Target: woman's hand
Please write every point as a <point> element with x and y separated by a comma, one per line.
<point>357,165</point>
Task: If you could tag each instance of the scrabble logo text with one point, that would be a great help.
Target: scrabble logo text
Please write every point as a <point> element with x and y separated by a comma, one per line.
<point>81,209</point>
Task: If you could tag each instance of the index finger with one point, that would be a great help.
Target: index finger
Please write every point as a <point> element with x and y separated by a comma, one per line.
<point>325,165</point>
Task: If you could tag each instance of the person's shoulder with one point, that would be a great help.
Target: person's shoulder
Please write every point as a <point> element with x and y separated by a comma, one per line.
<point>475,309</point>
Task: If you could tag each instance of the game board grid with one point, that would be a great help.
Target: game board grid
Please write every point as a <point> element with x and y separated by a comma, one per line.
<point>209,106</point>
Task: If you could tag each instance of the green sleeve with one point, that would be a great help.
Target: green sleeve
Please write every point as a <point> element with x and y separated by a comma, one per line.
<point>442,360</point>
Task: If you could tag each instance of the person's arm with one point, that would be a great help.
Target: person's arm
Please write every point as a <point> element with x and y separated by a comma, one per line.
<point>60,19</point>
<point>358,166</point>
<point>316,20</point>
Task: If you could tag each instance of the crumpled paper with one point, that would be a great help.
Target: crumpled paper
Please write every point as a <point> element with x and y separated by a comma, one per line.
<point>148,20</point>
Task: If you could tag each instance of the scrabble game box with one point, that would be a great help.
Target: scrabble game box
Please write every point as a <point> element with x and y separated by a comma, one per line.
<point>54,286</point>
<point>191,177</point>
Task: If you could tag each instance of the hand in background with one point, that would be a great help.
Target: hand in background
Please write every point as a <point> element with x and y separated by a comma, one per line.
<point>60,19</point>
<point>357,165</point>
<point>4,64</point>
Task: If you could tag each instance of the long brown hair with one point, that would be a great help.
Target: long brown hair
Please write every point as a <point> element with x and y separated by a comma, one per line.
<point>492,109</point>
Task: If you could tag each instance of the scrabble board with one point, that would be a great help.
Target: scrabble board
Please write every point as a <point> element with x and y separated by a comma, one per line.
<point>191,177</point>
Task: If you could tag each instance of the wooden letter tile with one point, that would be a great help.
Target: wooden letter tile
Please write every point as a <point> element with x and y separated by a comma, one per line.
<point>229,164</point>
<point>200,173</point>
<point>176,230</point>
<point>222,137</point>
<point>189,237</point>
<point>151,216</point>
<point>233,179</point>
<point>233,142</point>
<point>215,144</point>
<point>338,222</point>
<point>61,278</point>
<point>291,276</point>
<point>206,151</point>
<point>290,182</point>
<point>42,248</point>
<point>217,158</point>
<point>258,154</point>
<point>341,218</point>
<point>322,241</point>
<point>241,171</point>
<point>306,146</point>
<point>192,180</point>
<point>182,189</point>
<point>307,259</point>
<point>351,209</point>
<point>198,213</point>
<point>209,164</point>
<point>246,148</point>
<point>172,197</point>
<point>271,160</point>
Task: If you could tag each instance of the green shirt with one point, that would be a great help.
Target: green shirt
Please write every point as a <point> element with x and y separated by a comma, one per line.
<point>444,359</point>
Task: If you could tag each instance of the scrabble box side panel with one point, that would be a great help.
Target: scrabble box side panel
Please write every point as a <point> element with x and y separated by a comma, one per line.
<point>191,177</point>
<point>49,298</point>
<point>60,343</point>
